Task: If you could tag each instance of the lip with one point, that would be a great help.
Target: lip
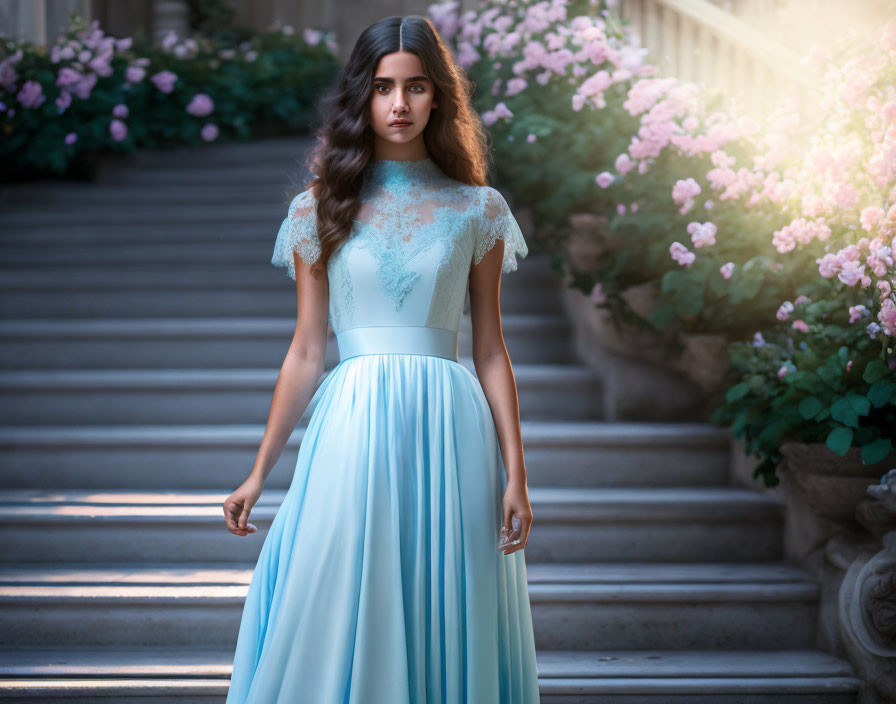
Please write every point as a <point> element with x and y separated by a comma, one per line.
<point>400,123</point>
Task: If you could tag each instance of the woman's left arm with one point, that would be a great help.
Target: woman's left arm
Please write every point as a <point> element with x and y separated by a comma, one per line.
<point>495,375</point>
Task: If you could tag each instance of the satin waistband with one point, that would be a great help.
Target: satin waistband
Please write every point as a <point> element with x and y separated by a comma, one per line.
<point>404,339</point>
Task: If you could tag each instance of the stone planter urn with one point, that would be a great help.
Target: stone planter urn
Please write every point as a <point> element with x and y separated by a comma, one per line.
<point>704,359</point>
<point>645,374</point>
<point>831,486</point>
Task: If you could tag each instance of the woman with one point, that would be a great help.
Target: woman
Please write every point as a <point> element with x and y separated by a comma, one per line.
<point>383,578</point>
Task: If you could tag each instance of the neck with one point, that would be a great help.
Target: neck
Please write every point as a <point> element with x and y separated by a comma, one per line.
<point>398,170</point>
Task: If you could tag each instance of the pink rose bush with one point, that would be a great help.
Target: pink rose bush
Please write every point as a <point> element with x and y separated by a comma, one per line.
<point>777,233</point>
<point>89,91</point>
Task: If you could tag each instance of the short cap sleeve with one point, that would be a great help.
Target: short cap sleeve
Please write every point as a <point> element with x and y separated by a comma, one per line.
<point>298,233</point>
<point>497,222</point>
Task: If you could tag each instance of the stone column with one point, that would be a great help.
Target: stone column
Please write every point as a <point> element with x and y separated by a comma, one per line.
<point>24,20</point>
<point>59,15</point>
<point>168,15</point>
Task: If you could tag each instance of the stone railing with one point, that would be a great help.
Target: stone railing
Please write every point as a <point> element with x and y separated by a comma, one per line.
<point>697,41</point>
<point>841,527</point>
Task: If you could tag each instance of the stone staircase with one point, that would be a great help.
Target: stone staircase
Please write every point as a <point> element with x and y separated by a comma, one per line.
<point>142,330</point>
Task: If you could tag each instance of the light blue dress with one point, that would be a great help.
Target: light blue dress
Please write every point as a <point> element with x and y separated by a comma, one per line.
<point>380,580</point>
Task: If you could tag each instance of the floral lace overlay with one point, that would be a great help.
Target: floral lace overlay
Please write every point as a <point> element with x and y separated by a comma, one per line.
<point>408,257</point>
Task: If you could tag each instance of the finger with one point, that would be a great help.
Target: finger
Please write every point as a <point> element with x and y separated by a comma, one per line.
<point>508,517</point>
<point>244,516</point>
<point>228,516</point>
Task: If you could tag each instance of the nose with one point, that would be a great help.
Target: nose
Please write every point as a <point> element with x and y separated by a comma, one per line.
<point>400,103</point>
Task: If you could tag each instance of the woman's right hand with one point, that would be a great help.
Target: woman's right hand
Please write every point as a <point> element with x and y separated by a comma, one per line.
<point>240,503</point>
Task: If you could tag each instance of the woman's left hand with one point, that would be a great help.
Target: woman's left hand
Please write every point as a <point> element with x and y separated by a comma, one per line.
<point>516,505</point>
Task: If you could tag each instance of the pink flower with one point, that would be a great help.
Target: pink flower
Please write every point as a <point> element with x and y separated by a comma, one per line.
<point>857,313</point>
<point>633,207</point>
<point>312,37</point>
<point>164,81</point>
<point>120,110</point>
<point>623,164</point>
<point>63,101</point>
<point>870,217</point>
<point>118,130</point>
<point>209,132</point>
<point>887,316</point>
<point>498,112</point>
<point>620,209</point>
<point>800,325</point>
<point>200,105</point>
<point>828,265</point>
<point>31,95</point>
<point>684,190</point>
<point>515,85</point>
<point>681,254</point>
<point>531,138</point>
<point>604,179</point>
<point>801,299</point>
<point>851,272</point>
<point>782,372</point>
<point>597,294</point>
<point>71,138</point>
<point>784,310</point>
<point>702,235</point>
<point>68,77</point>
<point>134,74</point>
<point>727,270</point>
<point>597,83</point>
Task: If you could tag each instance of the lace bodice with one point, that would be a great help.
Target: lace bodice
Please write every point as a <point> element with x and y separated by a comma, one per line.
<point>407,259</point>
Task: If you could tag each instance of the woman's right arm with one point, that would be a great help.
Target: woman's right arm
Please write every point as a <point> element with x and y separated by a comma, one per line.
<point>298,379</point>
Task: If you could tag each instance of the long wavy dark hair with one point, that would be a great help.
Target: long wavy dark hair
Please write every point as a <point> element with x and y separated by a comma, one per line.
<point>454,136</point>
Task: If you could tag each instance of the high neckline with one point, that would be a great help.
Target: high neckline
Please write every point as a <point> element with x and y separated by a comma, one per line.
<point>395,170</point>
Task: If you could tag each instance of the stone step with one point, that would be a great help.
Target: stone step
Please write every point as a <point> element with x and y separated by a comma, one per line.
<point>264,214</point>
<point>708,524</point>
<point>180,675</point>
<point>188,343</point>
<point>285,149</point>
<point>574,607</point>
<point>77,236</point>
<point>560,454</point>
<point>122,254</point>
<point>189,396</point>
<point>78,194</point>
<point>191,290</point>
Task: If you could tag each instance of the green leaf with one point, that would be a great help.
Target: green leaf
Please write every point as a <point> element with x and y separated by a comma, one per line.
<point>843,411</point>
<point>876,450</point>
<point>737,392</point>
<point>810,407</point>
<point>874,370</point>
<point>880,391</point>
<point>661,316</point>
<point>671,281</point>
<point>860,404</point>
<point>839,440</point>
<point>830,376</point>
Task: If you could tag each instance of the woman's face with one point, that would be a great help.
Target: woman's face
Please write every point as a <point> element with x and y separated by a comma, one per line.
<point>401,92</point>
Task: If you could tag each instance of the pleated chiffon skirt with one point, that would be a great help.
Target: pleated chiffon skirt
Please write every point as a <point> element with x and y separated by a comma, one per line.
<point>380,580</point>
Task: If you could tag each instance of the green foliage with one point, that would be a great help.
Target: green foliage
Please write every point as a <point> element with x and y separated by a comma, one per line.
<point>268,83</point>
<point>826,386</point>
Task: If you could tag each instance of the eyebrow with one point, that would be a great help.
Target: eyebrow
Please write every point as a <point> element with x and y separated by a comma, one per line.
<point>392,80</point>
